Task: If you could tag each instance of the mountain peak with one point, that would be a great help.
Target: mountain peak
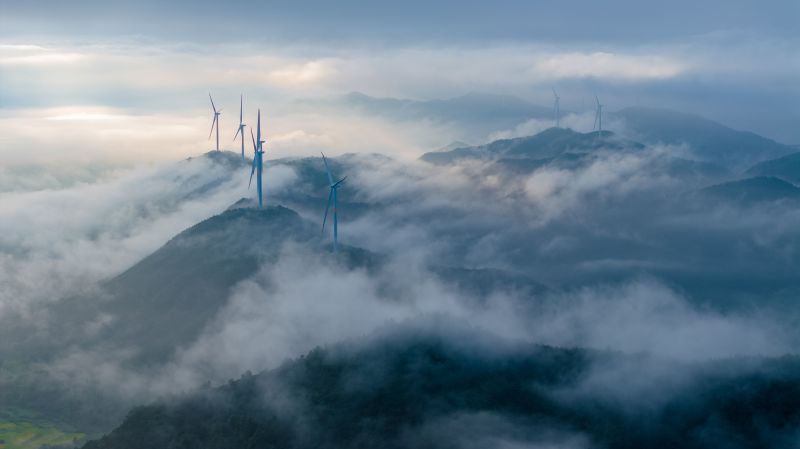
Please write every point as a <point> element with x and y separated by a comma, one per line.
<point>223,157</point>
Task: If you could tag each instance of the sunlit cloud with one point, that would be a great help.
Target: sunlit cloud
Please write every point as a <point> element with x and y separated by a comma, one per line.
<point>73,114</point>
<point>83,134</point>
<point>299,138</point>
<point>607,65</point>
<point>306,73</point>
<point>154,97</point>
<point>20,47</point>
<point>25,54</point>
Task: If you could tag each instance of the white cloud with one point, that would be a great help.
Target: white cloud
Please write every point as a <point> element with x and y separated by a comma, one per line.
<point>58,242</point>
<point>606,65</point>
<point>302,74</point>
<point>27,55</point>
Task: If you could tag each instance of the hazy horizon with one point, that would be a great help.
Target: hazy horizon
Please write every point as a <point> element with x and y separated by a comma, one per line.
<point>116,82</point>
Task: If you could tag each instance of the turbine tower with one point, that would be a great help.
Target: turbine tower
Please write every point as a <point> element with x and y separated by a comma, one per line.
<point>598,116</point>
<point>215,120</point>
<point>258,162</point>
<point>557,109</point>
<point>334,186</point>
<point>240,129</point>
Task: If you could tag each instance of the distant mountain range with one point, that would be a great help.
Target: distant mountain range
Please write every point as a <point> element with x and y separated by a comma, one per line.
<point>567,149</point>
<point>466,108</point>
<point>707,139</point>
<point>477,114</point>
<point>482,114</point>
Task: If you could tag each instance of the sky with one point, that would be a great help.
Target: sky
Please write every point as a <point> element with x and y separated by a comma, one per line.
<point>90,88</point>
<point>112,82</point>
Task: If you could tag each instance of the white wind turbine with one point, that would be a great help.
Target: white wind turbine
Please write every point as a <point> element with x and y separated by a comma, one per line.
<point>215,120</point>
<point>557,109</point>
<point>240,129</point>
<point>598,116</point>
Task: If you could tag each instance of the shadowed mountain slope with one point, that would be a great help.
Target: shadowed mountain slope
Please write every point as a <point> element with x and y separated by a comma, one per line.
<point>165,300</point>
<point>708,140</point>
<point>759,189</point>
<point>786,168</point>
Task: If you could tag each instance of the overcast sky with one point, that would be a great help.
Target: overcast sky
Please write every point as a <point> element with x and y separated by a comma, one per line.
<point>99,79</point>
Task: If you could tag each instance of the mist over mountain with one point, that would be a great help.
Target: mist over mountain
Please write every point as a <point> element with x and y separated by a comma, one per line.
<point>414,387</point>
<point>660,280</point>
<point>548,144</point>
<point>476,115</point>
<point>498,110</point>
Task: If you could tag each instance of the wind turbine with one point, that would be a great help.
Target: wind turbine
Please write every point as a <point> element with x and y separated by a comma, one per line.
<point>334,186</point>
<point>258,162</point>
<point>598,116</point>
<point>215,120</point>
<point>240,129</point>
<point>557,109</point>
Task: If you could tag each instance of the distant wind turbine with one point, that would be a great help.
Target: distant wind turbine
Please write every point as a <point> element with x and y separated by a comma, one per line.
<point>240,129</point>
<point>334,186</point>
<point>557,108</point>
<point>215,120</point>
<point>258,162</point>
<point>598,115</point>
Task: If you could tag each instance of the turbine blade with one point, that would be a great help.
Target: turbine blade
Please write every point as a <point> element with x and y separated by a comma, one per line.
<point>252,170</point>
<point>213,121</point>
<point>237,132</point>
<point>212,103</point>
<point>339,182</point>
<point>335,224</point>
<point>327,206</point>
<point>258,133</point>
<point>327,170</point>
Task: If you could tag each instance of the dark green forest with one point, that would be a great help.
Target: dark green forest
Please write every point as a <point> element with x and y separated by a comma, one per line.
<point>425,391</point>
